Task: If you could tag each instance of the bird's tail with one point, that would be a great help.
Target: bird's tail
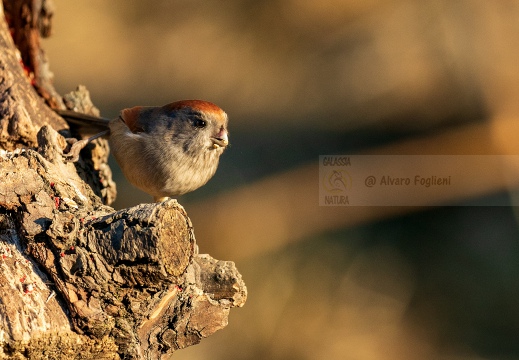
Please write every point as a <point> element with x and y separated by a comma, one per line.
<point>82,123</point>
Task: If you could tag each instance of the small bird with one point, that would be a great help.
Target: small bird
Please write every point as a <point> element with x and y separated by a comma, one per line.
<point>164,151</point>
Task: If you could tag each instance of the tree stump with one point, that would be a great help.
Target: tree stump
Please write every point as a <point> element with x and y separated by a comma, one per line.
<point>80,280</point>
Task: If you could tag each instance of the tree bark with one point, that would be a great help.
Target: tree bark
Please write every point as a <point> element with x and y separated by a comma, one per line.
<point>80,280</point>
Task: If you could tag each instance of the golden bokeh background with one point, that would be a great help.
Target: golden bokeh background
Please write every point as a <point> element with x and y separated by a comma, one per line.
<point>306,78</point>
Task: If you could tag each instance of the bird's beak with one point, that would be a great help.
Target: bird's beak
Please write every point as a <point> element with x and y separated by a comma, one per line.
<point>221,139</point>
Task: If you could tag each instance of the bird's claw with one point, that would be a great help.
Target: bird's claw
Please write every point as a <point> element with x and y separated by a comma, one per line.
<point>72,152</point>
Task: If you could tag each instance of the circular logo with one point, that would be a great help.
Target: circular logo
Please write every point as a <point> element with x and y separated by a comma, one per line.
<point>336,180</point>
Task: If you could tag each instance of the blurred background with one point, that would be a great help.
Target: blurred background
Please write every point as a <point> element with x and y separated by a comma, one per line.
<point>306,78</point>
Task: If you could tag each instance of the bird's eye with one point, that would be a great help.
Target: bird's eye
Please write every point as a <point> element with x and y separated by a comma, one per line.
<point>199,123</point>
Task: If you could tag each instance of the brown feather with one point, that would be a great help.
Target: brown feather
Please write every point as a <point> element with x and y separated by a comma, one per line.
<point>204,106</point>
<point>131,118</point>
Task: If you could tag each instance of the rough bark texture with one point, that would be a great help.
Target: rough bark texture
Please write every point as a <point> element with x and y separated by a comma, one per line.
<point>79,280</point>
<point>30,20</point>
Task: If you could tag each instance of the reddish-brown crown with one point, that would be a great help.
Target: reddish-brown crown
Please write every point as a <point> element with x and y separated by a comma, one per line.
<point>201,105</point>
<point>134,121</point>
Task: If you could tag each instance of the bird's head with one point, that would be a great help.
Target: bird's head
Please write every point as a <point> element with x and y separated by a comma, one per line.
<point>195,124</point>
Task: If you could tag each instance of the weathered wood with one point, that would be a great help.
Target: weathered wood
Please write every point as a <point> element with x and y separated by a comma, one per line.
<point>80,280</point>
<point>30,20</point>
<point>128,275</point>
<point>22,109</point>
